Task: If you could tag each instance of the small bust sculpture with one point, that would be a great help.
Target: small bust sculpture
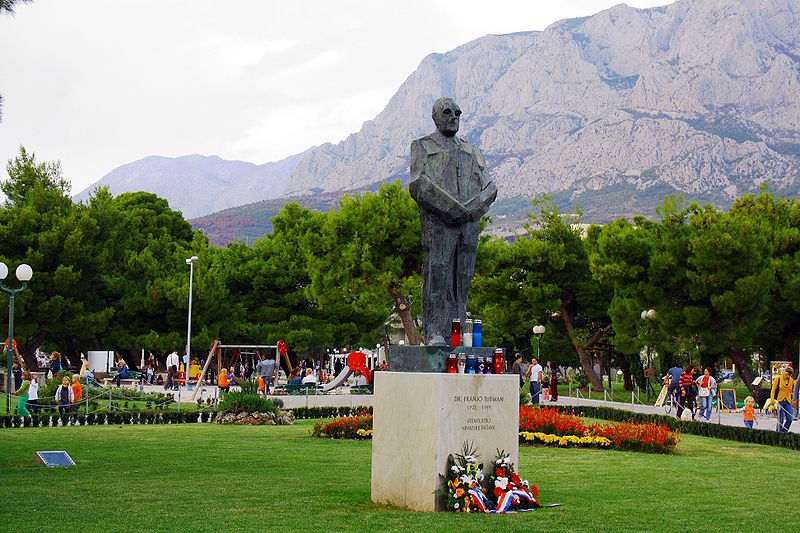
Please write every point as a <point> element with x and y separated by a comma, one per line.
<point>450,184</point>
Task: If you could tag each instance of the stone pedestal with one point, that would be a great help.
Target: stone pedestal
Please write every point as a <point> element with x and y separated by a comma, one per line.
<point>420,418</point>
<point>429,358</point>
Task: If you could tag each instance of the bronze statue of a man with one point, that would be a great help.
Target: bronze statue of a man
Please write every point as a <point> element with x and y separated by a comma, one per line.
<point>450,183</point>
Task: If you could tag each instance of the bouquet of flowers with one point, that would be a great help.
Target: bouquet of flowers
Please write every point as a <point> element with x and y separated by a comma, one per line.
<point>508,491</point>
<point>462,490</point>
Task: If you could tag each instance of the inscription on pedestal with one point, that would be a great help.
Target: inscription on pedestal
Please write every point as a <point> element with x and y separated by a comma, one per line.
<point>478,411</point>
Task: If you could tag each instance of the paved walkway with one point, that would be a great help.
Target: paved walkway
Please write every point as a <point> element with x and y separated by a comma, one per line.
<point>763,420</point>
<point>341,397</point>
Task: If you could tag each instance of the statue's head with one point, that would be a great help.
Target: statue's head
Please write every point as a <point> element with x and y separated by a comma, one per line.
<point>445,115</point>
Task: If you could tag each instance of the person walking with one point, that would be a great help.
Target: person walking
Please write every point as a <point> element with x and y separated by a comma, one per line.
<point>553,381</point>
<point>22,393</point>
<point>516,368</point>
<point>266,369</point>
<point>781,393</point>
<point>706,390</point>
<point>535,376</point>
<point>686,399</point>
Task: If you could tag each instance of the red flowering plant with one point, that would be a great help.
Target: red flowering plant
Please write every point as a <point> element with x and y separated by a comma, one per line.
<point>638,437</point>
<point>508,492</point>
<point>347,427</point>
<point>461,488</point>
<point>550,421</point>
<point>549,426</point>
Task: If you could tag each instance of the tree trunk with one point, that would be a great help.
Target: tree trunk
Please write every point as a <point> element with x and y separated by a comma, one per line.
<point>586,362</point>
<point>787,347</point>
<point>28,352</point>
<point>625,366</point>
<point>404,310</point>
<point>743,368</point>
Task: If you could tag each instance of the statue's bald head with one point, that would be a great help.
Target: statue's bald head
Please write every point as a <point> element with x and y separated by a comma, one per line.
<point>446,114</point>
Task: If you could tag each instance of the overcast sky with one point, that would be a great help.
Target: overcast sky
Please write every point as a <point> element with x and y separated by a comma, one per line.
<point>100,83</point>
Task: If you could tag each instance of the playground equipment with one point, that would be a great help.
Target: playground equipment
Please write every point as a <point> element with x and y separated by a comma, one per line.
<point>355,361</point>
<point>239,350</point>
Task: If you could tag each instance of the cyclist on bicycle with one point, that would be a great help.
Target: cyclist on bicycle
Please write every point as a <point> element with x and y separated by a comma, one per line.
<point>674,375</point>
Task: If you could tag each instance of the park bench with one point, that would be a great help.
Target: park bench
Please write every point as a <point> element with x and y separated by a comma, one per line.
<point>301,389</point>
<point>361,389</point>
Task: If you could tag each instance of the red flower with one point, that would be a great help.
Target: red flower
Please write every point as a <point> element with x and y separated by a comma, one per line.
<point>499,472</point>
<point>498,492</point>
<point>515,479</point>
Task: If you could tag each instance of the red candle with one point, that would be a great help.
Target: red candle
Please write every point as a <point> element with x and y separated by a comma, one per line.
<point>455,333</point>
<point>452,364</point>
<point>497,361</point>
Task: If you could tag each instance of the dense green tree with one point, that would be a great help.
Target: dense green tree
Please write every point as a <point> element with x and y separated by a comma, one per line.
<point>40,226</point>
<point>544,276</point>
<point>365,258</point>
<point>730,278</point>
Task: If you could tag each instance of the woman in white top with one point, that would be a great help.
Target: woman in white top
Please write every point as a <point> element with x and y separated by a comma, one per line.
<point>33,396</point>
<point>310,378</point>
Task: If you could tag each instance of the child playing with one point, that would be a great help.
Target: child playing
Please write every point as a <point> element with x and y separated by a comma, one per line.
<point>749,411</point>
<point>222,381</point>
<point>261,385</point>
<point>76,391</point>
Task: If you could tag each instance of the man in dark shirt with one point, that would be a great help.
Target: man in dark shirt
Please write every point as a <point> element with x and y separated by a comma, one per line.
<point>674,374</point>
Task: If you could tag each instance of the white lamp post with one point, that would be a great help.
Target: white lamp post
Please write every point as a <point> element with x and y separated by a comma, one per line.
<point>24,274</point>
<point>189,262</point>
<point>538,331</point>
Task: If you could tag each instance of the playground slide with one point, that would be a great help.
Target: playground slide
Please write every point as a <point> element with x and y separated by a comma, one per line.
<point>338,380</point>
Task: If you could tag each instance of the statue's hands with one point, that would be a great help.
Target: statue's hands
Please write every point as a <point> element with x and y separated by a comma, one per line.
<point>455,214</point>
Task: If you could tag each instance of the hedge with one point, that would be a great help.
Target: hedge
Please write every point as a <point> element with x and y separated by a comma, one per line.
<point>703,429</point>
<point>159,417</point>
<point>114,417</point>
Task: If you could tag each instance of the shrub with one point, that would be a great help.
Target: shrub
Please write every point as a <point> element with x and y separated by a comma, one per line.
<point>249,387</point>
<point>237,402</point>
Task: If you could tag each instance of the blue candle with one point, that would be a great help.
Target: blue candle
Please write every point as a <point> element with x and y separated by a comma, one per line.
<point>477,333</point>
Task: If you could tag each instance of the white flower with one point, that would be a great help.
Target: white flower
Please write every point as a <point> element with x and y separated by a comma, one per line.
<point>467,480</point>
<point>501,482</point>
<point>456,506</point>
<point>524,483</point>
<point>454,468</point>
<point>479,476</point>
<point>471,459</point>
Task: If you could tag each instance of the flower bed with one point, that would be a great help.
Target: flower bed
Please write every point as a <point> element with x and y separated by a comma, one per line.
<point>551,427</point>
<point>550,421</point>
<point>638,437</point>
<point>345,428</point>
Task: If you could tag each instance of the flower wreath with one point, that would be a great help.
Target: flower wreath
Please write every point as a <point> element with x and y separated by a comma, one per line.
<point>463,480</point>
<point>508,491</point>
<point>464,492</point>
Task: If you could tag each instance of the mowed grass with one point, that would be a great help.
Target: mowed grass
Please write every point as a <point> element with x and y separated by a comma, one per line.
<point>206,477</point>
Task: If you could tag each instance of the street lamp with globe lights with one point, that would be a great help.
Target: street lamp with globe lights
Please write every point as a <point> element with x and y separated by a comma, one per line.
<point>649,315</point>
<point>24,274</point>
<point>538,331</point>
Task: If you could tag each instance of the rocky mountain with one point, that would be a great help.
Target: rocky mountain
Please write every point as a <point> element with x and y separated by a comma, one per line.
<point>611,111</point>
<point>198,185</point>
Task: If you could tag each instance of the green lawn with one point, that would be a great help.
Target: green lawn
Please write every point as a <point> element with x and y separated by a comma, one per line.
<point>204,477</point>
